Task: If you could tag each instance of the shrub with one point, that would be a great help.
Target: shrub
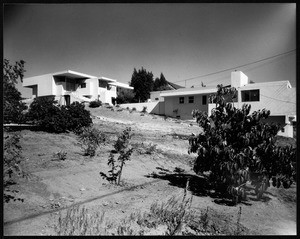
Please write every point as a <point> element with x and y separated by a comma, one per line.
<point>49,117</point>
<point>90,139</point>
<point>12,157</point>
<point>95,104</point>
<point>235,146</point>
<point>144,109</point>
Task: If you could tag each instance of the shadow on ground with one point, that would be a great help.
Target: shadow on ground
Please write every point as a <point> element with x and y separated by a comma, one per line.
<point>199,186</point>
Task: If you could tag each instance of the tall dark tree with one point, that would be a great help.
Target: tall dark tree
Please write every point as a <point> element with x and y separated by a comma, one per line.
<point>12,105</point>
<point>161,83</point>
<point>143,83</point>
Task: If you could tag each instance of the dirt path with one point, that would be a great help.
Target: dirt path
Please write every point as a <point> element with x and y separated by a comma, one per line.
<point>57,185</point>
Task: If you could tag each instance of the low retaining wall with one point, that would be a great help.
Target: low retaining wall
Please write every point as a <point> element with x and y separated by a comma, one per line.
<point>152,107</point>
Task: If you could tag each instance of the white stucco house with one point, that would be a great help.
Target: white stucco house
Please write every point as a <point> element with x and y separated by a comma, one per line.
<point>279,97</point>
<point>69,86</point>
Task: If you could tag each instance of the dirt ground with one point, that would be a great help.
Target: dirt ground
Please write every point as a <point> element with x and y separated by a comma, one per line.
<point>56,185</point>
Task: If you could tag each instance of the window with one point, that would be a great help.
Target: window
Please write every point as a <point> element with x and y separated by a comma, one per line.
<point>181,100</point>
<point>83,85</point>
<point>250,95</point>
<point>156,99</point>
<point>204,99</point>
<point>191,99</point>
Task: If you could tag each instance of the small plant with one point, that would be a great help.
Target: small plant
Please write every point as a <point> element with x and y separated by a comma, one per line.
<point>133,109</point>
<point>121,146</point>
<point>143,148</point>
<point>95,104</point>
<point>60,155</point>
<point>90,139</point>
<point>144,109</point>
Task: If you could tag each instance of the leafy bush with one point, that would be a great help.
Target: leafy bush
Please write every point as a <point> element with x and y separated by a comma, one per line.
<point>12,157</point>
<point>90,139</point>
<point>95,104</point>
<point>49,117</point>
<point>236,146</point>
<point>121,146</point>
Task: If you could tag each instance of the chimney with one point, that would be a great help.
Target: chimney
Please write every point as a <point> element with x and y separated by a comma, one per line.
<point>238,79</point>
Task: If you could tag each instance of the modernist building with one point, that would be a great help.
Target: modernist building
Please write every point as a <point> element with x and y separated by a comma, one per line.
<point>69,86</point>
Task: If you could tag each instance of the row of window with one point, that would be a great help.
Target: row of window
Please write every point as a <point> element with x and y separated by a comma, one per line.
<point>247,95</point>
<point>191,100</point>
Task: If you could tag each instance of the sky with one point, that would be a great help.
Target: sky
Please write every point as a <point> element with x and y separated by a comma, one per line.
<point>184,41</point>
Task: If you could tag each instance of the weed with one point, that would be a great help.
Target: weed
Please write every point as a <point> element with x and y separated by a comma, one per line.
<point>80,222</point>
<point>60,155</point>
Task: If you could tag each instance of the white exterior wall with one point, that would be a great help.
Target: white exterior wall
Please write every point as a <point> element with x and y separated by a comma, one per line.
<point>156,94</point>
<point>45,84</point>
<point>107,95</point>
<point>185,109</point>
<point>152,107</point>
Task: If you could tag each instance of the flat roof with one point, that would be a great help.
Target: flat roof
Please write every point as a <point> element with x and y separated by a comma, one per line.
<point>72,74</point>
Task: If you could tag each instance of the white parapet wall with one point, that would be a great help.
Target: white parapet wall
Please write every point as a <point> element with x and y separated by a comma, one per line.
<point>152,107</point>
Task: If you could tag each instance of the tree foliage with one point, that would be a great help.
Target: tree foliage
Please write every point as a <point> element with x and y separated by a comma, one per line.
<point>161,83</point>
<point>236,146</point>
<point>125,96</point>
<point>12,106</point>
<point>143,83</point>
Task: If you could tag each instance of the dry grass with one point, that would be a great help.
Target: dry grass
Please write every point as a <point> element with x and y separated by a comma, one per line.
<point>173,217</point>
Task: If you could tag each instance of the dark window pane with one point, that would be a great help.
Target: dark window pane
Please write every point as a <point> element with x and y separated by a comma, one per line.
<point>204,100</point>
<point>191,99</point>
<point>250,95</point>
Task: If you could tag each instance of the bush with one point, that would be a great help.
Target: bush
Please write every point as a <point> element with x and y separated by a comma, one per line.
<point>235,146</point>
<point>49,117</point>
<point>95,104</point>
<point>12,157</point>
<point>90,139</point>
<point>144,109</point>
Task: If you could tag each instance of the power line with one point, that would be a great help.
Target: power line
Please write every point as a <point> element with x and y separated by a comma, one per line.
<point>232,68</point>
<point>278,99</point>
